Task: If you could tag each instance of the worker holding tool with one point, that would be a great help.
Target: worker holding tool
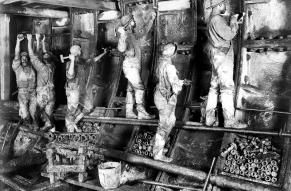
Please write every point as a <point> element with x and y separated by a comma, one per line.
<point>165,98</point>
<point>132,69</point>
<point>220,51</point>
<point>45,82</point>
<point>26,82</point>
<point>75,72</point>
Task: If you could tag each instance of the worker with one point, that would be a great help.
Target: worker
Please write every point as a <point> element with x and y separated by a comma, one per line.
<point>132,69</point>
<point>45,82</point>
<point>220,51</point>
<point>165,98</point>
<point>26,83</point>
<point>76,77</point>
<point>75,72</point>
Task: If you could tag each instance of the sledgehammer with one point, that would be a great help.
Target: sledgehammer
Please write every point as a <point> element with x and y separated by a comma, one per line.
<point>63,58</point>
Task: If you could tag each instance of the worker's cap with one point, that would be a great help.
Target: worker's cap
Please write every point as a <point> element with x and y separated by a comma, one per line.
<point>75,49</point>
<point>24,54</point>
<point>169,49</point>
<point>214,3</point>
<point>125,19</point>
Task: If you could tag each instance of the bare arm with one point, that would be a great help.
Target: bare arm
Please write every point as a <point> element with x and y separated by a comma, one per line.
<point>17,46</point>
<point>122,40</point>
<point>71,67</point>
<point>29,46</point>
<point>43,45</point>
<point>37,36</point>
<point>35,61</point>
<point>100,56</point>
<point>16,60</point>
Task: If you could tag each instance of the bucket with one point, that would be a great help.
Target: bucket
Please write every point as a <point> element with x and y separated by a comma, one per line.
<point>109,174</point>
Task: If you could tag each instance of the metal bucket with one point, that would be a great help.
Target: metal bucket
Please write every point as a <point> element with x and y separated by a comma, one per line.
<point>109,174</point>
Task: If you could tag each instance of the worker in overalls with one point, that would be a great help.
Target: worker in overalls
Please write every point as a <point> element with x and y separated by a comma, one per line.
<point>220,51</point>
<point>26,83</point>
<point>45,82</point>
<point>132,69</point>
<point>75,72</point>
<point>165,98</point>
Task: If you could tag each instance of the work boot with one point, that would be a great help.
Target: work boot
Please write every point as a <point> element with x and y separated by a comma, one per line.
<point>129,111</point>
<point>142,113</point>
<point>129,105</point>
<point>159,148</point>
<point>211,119</point>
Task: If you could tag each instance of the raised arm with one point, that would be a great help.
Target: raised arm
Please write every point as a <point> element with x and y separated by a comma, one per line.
<point>29,46</point>
<point>43,45</point>
<point>70,73</point>
<point>35,61</point>
<point>16,60</point>
<point>122,40</point>
<point>37,37</point>
<point>150,19</point>
<point>20,38</point>
<point>100,55</point>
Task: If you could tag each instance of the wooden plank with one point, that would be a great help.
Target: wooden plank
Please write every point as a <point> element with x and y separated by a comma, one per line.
<point>85,4</point>
<point>5,68</point>
<point>66,168</point>
<point>17,10</point>
<point>268,43</point>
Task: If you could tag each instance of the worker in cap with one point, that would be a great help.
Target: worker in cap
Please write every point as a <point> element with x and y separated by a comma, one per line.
<point>45,82</point>
<point>75,73</point>
<point>26,83</point>
<point>165,98</point>
<point>220,51</point>
<point>129,45</point>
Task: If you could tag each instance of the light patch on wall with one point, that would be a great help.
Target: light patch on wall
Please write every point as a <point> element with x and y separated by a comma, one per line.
<point>268,66</point>
<point>271,15</point>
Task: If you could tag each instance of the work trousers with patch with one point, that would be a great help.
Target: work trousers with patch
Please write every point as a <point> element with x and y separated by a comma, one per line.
<point>221,80</point>
<point>132,71</point>
<point>167,118</point>
<point>46,102</point>
<point>73,99</point>
<point>27,103</point>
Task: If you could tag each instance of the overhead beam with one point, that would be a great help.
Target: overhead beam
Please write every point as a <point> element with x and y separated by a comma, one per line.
<point>17,10</point>
<point>84,4</point>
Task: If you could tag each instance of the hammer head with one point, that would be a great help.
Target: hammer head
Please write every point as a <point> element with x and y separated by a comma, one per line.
<point>62,58</point>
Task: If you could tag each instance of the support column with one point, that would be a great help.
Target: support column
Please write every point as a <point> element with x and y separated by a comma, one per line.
<point>5,68</point>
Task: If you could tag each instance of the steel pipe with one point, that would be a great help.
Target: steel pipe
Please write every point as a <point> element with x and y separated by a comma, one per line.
<point>163,166</point>
<point>262,110</point>
<point>168,185</point>
<point>218,180</point>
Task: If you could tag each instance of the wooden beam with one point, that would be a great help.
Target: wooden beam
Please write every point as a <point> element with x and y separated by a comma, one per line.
<point>17,10</point>
<point>268,43</point>
<point>256,1</point>
<point>5,68</point>
<point>85,4</point>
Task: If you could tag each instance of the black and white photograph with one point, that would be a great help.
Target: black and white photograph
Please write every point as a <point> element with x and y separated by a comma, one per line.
<point>145,95</point>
